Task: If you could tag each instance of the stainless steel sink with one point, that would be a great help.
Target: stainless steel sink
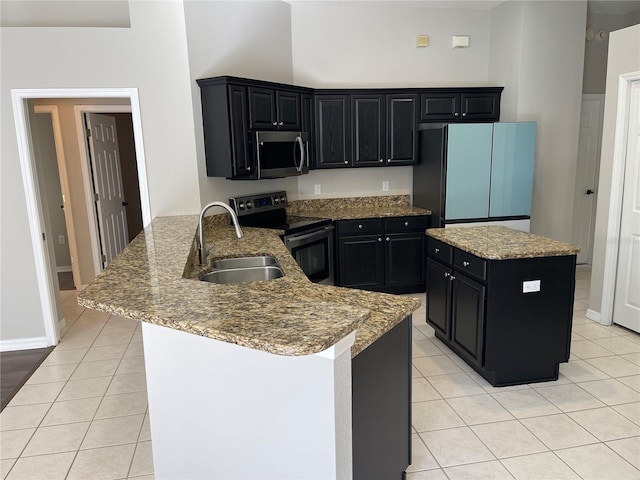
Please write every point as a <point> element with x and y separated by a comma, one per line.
<point>243,275</point>
<point>244,262</point>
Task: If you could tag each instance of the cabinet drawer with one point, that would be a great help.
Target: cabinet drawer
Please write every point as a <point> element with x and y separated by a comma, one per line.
<point>439,250</point>
<point>405,224</point>
<point>360,226</point>
<point>470,264</point>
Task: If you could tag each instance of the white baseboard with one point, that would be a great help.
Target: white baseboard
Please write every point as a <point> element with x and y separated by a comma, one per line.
<point>63,269</point>
<point>23,344</point>
<point>595,316</point>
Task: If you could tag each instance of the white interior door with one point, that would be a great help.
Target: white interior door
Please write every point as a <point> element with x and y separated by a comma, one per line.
<point>626,305</point>
<point>107,183</point>
<point>584,204</point>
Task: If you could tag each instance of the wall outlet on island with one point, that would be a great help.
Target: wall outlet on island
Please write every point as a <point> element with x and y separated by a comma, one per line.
<point>317,189</point>
<point>385,186</point>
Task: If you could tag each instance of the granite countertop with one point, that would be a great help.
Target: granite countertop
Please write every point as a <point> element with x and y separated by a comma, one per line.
<point>356,207</point>
<point>502,243</point>
<point>155,280</point>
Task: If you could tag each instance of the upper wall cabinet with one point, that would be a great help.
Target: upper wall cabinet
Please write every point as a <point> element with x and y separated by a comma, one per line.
<point>346,127</point>
<point>233,109</point>
<point>461,105</point>
<point>271,109</point>
<point>384,129</point>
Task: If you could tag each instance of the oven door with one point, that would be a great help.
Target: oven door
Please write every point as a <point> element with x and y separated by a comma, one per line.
<point>313,251</point>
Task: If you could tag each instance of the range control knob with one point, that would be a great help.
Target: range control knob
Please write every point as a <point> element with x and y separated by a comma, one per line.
<point>249,204</point>
<point>283,199</point>
<point>241,205</point>
<point>276,200</point>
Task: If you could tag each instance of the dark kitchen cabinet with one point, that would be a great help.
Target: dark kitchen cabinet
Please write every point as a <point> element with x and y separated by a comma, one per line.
<point>333,131</point>
<point>382,254</point>
<point>271,109</point>
<point>384,129</point>
<point>462,105</point>
<point>479,308</point>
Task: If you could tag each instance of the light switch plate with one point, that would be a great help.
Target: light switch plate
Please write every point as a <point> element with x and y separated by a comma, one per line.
<point>317,189</point>
<point>385,186</point>
<point>531,286</point>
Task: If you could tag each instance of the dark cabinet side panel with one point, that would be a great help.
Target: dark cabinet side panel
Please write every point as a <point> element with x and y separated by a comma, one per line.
<point>381,399</point>
<point>242,158</point>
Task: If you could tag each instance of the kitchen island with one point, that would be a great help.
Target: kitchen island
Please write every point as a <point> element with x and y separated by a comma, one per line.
<point>261,380</point>
<point>502,300</point>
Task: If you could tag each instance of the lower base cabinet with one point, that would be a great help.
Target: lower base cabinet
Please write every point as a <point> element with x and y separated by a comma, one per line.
<point>479,308</point>
<point>381,399</point>
<point>384,255</point>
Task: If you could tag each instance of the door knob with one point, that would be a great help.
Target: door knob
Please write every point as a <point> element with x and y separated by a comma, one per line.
<point>589,192</point>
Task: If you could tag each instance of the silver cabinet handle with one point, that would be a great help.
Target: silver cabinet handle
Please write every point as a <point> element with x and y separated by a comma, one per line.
<point>281,123</point>
<point>406,224</point>
<point>464,114</point>
<point>388,239</point>
<point>456,114</point>
<point>274,124</point>
<point>388,160</point>
<point>381,160</point>
<point>379,239</point>
<point>248,169</point>
<point>346,161</point>
<point>465,264</point>
<point>446,274</point>
<point>360,226</point>
<point>452,278</point>
<point>437,250</point>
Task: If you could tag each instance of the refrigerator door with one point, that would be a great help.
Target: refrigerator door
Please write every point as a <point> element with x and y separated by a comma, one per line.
<point>514,150</point>
<point>468,171</point>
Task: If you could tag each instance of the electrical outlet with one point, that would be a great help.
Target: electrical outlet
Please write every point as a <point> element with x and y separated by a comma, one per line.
<point>385,186</point>
<point>317,189</point>
<point>61,239</point>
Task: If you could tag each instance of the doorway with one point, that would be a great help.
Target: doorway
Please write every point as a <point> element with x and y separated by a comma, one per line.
<point>47,281</point>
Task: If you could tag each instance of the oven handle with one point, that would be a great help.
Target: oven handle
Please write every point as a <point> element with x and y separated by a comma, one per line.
<point>316,233</point>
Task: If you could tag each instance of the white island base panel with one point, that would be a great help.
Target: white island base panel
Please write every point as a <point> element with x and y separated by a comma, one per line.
<point>222,411</point>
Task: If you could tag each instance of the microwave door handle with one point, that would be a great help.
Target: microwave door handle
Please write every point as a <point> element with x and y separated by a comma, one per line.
<point>301,145</point>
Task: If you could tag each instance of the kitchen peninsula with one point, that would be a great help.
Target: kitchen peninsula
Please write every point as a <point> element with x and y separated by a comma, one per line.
<point>502,300</point>
<point>269,379</point>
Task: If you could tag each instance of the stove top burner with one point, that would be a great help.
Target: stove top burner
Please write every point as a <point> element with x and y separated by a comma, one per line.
<point>268,210</point>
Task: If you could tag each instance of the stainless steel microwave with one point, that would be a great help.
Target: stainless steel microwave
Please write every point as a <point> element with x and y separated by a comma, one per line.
<point>282,154</point>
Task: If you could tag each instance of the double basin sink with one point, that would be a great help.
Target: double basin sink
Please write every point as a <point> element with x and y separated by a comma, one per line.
<point>243,270</point>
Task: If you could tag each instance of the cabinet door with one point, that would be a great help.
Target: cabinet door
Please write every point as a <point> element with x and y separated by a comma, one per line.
<point>404,259</point>
<point>241,156</point>
<point>468,167</point>
<point>514,151</point>
<point>288,112</point>
<point>438,296</point>
<point>440,107</point>
<point>333,131</point>
<point>368,130</point>
<point>361,261</point>
<point>480,106</point>
<point>402,138</point>
<point>262,109</point>
<point>467,317</point>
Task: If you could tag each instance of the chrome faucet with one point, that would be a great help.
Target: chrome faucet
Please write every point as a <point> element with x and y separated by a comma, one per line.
<point>234,218</point>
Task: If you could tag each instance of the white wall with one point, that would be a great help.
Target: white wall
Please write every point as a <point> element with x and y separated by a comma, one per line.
<point>548,52</point>
<point>250,39</point>
<point>150,56</point>
<point>624,57</point>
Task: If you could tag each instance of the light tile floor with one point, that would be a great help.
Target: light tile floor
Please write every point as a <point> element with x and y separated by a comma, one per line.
<point>83,414</point>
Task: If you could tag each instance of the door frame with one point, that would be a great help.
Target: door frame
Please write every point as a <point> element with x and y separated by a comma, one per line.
<point>85,158</point>
<point>19,98</point>
<point>615,199</point>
